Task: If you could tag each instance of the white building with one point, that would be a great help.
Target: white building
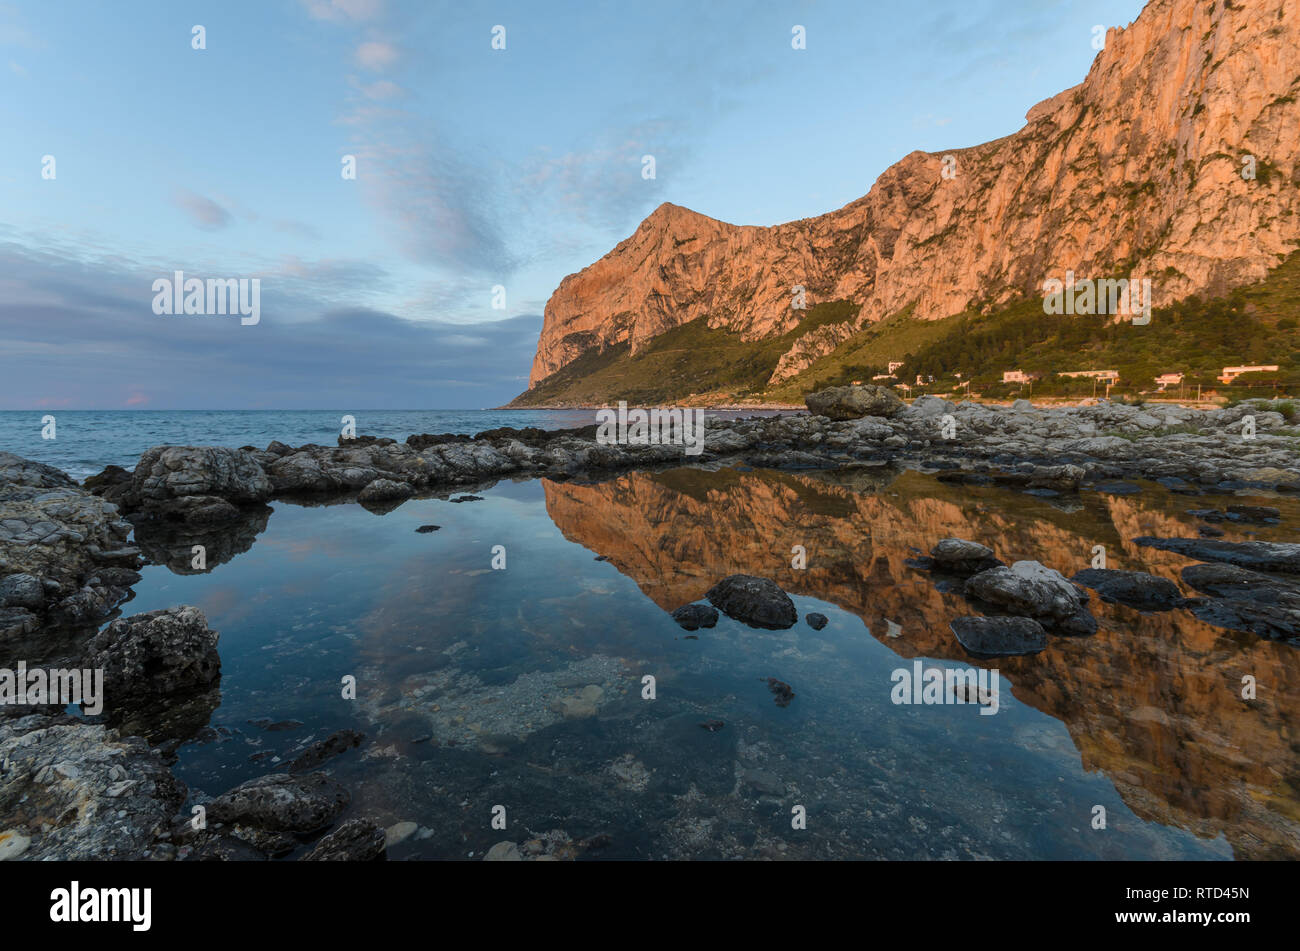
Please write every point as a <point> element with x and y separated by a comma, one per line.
<point>1169,379</point>
<point>1015,376</point>
<point>1231,373</point>
<point>1106,376</point>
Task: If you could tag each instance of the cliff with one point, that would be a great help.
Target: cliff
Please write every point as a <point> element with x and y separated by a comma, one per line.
<point>1135,171</point>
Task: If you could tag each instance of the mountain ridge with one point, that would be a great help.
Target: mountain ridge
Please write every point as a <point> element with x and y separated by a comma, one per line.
<point>1135,171</point>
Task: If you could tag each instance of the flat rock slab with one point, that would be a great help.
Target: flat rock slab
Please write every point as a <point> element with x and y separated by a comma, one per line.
<point>999,636</point>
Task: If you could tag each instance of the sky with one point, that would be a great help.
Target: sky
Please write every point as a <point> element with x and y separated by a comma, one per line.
<point>483,175</point>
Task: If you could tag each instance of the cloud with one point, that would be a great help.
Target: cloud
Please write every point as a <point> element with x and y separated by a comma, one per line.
<point>203,212</point>
<point>341,10</point>
<point>376,55</point>
<point>305,352</point>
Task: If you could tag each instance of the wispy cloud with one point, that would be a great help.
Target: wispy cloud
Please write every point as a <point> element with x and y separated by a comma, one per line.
<point>343,10</point>
<point>203,212</point>
<point>376,55</point>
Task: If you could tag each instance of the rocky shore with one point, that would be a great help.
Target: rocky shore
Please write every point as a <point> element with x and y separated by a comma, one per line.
<point>101,787</point>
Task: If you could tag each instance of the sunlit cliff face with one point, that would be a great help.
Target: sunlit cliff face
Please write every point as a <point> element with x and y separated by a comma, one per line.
<point>1152,700</point>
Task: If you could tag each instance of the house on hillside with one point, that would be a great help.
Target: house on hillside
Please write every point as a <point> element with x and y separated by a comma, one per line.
<point>1105,376</point>
<point>1169,379</point>
<point>1231,373</point>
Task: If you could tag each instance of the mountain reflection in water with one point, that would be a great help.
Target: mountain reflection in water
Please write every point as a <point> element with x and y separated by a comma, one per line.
<point>523,687</point>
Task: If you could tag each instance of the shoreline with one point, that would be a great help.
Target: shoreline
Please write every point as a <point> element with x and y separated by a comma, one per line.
<point>70,554</point>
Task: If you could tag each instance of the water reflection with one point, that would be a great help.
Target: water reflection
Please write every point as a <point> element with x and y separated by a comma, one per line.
<point>525,686</point>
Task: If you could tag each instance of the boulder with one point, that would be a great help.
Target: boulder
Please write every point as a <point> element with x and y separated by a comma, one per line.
<point>758,602</point>
<point>1031,589</point>
<point>854,402</point>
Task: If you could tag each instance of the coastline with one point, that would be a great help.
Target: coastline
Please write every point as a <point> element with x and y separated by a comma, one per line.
<point>69,566</point>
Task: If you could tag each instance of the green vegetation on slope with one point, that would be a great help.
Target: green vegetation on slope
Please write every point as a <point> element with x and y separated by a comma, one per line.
<point>1256,325</point>
<point>690,359</point>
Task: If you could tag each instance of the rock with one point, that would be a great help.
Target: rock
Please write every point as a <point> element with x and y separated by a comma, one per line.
<point>1255,513</point>
<point>1282,557</point>
<point>816,621</point>
<point>384,490</point>
<point>782,691</point>
<point>262,811</point>
<point>758,602</point>
<point>153,661</point>
<point>999,636</point>
<point>763,782</point>
<point>357,840</point>
<point>12,844</point>
<point>426,529</point>
<point>167,473</point>
<point>399,832</point>
<point>22,591</point>
<point>468,498</point>
<point>958,556</point>
<point>1137,589</point>
<point>109,796</point>
<point>332,746</point>
<point>713,726</point>
<point>503,852</point>
<point>1246,600</point>
<point>854,402</point>
<point>1031,589</point>
<point>692,617</point>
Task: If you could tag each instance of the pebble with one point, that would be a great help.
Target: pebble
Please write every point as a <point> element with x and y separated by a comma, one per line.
<point>12,844</point>
<point>399,832</point>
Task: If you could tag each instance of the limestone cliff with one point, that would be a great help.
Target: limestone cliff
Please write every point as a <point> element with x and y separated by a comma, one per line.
<point>1138,171</point>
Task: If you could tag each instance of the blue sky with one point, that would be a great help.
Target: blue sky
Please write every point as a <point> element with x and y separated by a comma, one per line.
<point>476,167</point>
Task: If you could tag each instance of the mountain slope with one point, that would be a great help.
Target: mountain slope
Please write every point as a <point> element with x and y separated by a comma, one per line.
<point>1137,171</point>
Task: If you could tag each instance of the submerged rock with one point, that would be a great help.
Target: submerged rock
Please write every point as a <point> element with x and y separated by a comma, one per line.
<point>1262,556</point>
<point>1136,589</point>
<point>783,692</point>
<point>332,746</point>
<point>816,621</point>
<point>692,617</point>
<point>1246,600</point>
<point>999,636</point>
<point>758,602</point>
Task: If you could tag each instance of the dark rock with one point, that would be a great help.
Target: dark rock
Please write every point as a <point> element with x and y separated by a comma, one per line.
<point>357,840</point>
<point>161,671</point>
<point>426,529</point>
<point>317,753</point>
<point>816,621</point>
<point>1262,556</point>
<point>692,617</point>
<point>782,690</point>
<point>22,591</point>
<point>1137,589</point>
<point>999,636</point>
<point>713,726</point>
<point>1030,589</point>
<point>758,602</point>
<point>280,803</point>
<point>467,498</point>
<point>1255,513</point>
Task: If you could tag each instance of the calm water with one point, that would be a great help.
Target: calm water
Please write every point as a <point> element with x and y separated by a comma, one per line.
<point>522,687</point>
